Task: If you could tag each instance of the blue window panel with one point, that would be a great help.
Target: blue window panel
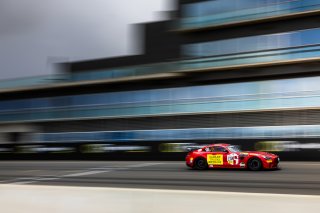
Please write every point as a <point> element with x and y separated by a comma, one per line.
<point>207,107</point>
<point>40,103</point>
<point>222,6</point>
<point>93,75</point>
<point>253,43</point>
<point>33,81</point>
<point>123,72</point>
<point>213,13</point>
<point>217,107</point>
<point>215,62</point>
<point>184,134</point>
<point>272,94</point>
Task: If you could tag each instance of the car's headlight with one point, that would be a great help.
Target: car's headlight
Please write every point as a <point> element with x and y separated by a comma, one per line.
<point>267,157</point>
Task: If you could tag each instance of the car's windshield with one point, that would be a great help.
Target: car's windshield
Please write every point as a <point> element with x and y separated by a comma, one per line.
<point>234,148</point>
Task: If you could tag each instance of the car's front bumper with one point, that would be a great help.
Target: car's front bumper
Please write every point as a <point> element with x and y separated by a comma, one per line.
<point>189,161</point>
<point>272,163</point>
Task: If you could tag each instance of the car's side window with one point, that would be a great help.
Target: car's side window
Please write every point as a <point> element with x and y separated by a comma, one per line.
<point>215,149</point>
<point>209,149</point>
<point>219,149</point>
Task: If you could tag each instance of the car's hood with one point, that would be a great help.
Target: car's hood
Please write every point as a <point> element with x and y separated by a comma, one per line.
<point>259,153</point>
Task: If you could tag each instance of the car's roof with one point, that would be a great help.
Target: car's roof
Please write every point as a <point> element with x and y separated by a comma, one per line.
<point>219,144</point>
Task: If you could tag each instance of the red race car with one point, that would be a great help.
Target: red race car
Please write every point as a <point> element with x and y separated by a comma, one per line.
<point>230,156</point>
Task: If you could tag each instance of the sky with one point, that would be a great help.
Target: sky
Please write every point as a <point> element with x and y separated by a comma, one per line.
<point>36,33</point>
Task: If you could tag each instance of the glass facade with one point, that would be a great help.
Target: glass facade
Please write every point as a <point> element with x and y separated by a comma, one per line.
<point>303,38</point>
<point>124,72</point>
<point>210,7</point>
<point>275,109</point>
<point>234,97</point>
<point>262,132</point>
<point>252,50</point>
<point>220,12</point>
<point>33,81</point>
<point>90,75</point>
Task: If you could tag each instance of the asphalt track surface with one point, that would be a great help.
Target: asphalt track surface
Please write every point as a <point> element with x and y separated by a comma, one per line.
<point>292,178</point>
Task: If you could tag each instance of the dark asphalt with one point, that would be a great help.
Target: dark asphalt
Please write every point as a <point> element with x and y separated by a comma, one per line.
<point>292,178</point>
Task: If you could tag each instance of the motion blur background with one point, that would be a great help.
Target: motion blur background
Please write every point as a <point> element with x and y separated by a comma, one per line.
<point>197,72</point>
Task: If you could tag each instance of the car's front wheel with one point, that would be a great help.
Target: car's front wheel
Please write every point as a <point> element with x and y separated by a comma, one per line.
<point>254,164</point>
<point>200,164</point>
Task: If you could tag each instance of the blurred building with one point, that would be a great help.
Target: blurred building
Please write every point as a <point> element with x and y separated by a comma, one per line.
<point>240,71</point>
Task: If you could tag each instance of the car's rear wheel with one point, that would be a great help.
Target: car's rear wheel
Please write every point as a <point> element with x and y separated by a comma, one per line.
<point>254,164</point>
<point>200,164</point>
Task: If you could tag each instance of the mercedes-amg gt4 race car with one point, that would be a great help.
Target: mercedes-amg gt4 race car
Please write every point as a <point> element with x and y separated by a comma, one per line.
<point>230,156</point>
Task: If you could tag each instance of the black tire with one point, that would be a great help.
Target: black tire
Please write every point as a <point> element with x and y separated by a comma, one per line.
<point>254,164</point>
<point>200,164</point>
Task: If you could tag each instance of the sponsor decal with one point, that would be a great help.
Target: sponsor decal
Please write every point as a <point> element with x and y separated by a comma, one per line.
<point>191,160</point>
<point>233,159</point>
<point>242,164</point>
<point>215,159</point>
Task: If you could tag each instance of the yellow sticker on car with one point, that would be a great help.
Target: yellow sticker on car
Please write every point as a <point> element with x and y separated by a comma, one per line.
<point>215,159</point>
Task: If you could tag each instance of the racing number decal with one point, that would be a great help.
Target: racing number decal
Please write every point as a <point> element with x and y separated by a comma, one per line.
<point>215,159</point>
<point>233,159</point>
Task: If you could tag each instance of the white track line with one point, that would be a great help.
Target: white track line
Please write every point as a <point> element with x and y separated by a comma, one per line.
<point>143,165</point>
<point>87,172</point>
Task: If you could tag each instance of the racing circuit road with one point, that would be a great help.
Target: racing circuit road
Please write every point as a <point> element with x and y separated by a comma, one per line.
<point>292,178</point>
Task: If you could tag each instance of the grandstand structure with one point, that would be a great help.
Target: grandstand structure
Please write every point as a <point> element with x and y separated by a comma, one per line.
<point>245,72</point>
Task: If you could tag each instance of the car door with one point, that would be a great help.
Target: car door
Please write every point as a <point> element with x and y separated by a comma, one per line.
<point>232,160</point>
<point>216,157</point>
